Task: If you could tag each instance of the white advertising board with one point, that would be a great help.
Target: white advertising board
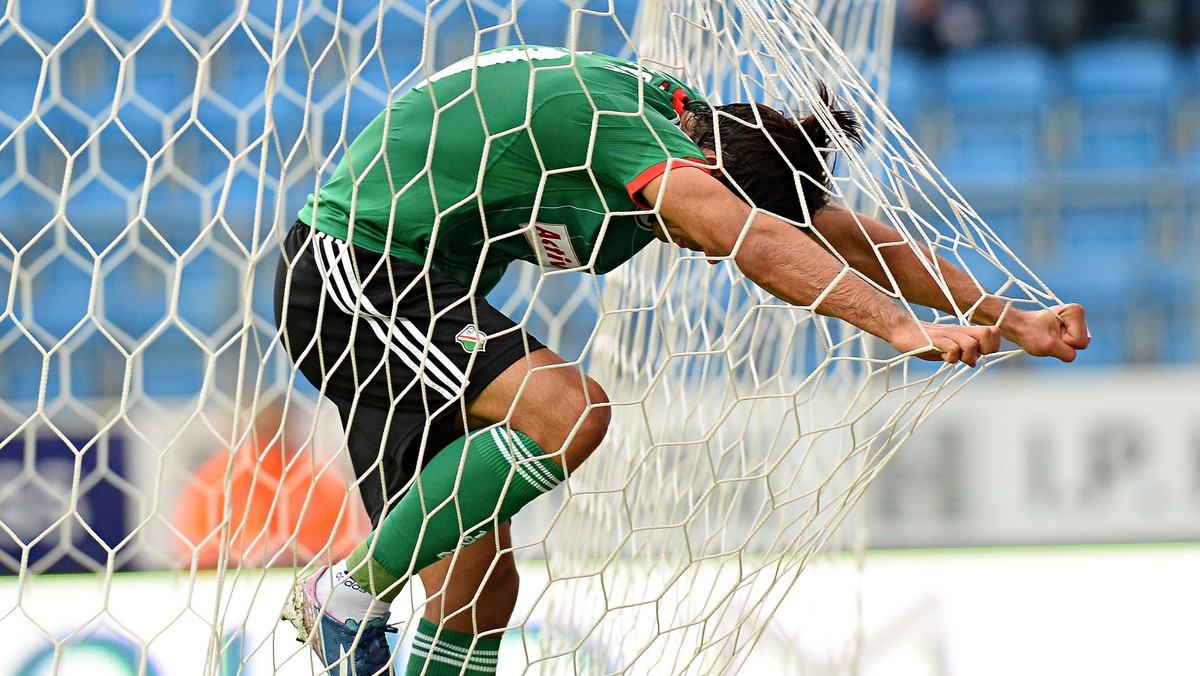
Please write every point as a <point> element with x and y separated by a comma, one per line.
<point>1049,457</point>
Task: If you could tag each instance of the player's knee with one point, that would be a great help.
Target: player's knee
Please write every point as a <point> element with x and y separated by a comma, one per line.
<point>591,428</point>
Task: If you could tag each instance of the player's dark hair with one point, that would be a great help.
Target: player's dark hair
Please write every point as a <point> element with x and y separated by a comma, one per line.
<point>765,155</point>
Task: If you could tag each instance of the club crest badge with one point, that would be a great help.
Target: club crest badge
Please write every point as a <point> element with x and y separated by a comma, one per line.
<point>471,339</point>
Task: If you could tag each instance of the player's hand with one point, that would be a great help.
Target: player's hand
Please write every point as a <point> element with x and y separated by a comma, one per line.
<point>1058,332</point>
<point>951,343</point>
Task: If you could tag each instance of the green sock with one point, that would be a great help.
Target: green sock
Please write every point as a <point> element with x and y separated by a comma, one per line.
<point>503,470</point>
<point>441,652</point>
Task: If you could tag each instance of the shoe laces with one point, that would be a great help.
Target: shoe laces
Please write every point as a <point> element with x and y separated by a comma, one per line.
<point>373,626</point>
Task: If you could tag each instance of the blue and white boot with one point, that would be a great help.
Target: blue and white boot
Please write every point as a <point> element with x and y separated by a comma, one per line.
<point>347,648</point>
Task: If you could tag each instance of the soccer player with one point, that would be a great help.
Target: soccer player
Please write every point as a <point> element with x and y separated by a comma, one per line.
<point>455,417</point>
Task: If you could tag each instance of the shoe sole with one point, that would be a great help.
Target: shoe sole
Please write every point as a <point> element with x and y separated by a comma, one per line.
<point>293,613</point>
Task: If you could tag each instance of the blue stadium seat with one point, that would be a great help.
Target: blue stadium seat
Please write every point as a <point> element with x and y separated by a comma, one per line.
<point>61,292</point>
<point>998,100</point>
<point>1125,92</point>
<point>120,157</point>
<point>1126,226</point>
<point>175,212</point>
<point>909,94</point>
<point>99,213</point>
<point>26,212</point>
<point>127,19</point>
<point>1115,67</point>
<point>19,79</point>
<point>238,71</point>
<point>307,63</point>
<point>48,144</point>
<point>242,200</point>
<point>356,11</point>
<point>398,55</point>
<point>542,22</point>
<point>87,73</point>
<point>165,72</point>
<point>97,368</point>
<point>288,129</point>
<point>202,18</point>
<point>1014,208</point>
<point>209,292</point>
<point>1190,152</point>
<point>1010,76</point>
<point>1169,300</point>
<point>1004,220</point>
<point>52,26</point>
<point>21,368</point>
<point>136,295</point>
<point>172,365</point>
<point>1109,256</point>
<point>1174,281</point>
<point>1100,238</point>
<point>12,197</point>
<point>229,131</point>
<point>602,33</point>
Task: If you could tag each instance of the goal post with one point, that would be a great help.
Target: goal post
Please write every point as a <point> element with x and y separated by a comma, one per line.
<point>151,157</point>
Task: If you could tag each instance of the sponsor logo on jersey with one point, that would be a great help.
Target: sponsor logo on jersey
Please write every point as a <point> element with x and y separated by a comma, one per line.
<point>472,339</point>
<point>551,243</point>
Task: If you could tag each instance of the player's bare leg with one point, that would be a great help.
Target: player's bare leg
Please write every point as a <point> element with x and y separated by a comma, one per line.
<point>475,591</point>
<point>472,594</point>
<point>549,400</point>
<point>540,418</point>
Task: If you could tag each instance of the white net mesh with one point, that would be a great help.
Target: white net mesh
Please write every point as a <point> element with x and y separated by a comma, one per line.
<point>152,156</point>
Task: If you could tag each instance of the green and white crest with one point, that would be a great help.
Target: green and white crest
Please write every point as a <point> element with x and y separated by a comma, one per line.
<point>471,339</point>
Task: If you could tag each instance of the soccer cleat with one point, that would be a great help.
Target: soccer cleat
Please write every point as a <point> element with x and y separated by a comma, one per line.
<point>334,641</point>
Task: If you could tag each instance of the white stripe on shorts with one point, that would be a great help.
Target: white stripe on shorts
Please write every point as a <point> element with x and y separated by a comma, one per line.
<point>332,258</point>
<point>453,376</point>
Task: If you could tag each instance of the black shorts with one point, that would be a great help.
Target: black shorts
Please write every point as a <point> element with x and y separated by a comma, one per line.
<point>398,350</point>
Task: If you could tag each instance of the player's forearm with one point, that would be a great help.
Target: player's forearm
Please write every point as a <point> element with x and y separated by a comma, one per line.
<point>701,214</point>
<point>793,268</point>
<point>957,292</point>
<point>884,256</point>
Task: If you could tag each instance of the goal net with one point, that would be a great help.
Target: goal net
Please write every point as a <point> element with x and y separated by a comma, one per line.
<point>153,154</point>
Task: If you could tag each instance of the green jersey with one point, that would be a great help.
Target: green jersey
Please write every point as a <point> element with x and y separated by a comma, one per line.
<point>525,153</point>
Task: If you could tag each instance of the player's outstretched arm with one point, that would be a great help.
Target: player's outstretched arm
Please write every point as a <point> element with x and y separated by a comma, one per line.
<point>699,213</point>
<point>875,249</point>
